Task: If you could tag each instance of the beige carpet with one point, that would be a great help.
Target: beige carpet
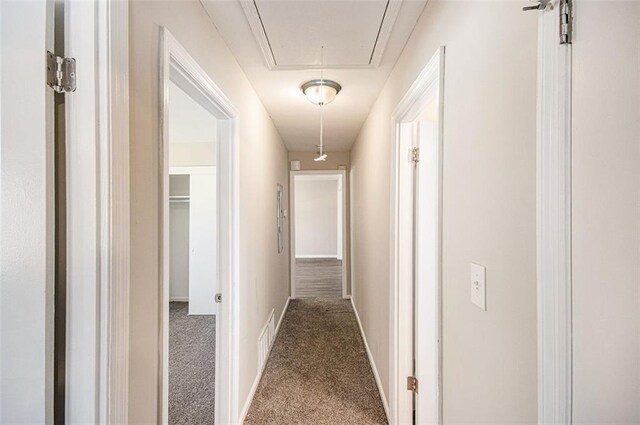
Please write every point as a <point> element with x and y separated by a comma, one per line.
<point>318,371</point>
<point>192,360</point>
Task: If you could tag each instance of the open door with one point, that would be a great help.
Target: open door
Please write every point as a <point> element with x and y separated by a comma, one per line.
<point>27,213</point>
<point>203,244</point>
<point>427,267</point>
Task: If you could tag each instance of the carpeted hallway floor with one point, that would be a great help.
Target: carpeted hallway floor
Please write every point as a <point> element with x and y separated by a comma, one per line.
<point>318,371</point>
<point>192,358</point>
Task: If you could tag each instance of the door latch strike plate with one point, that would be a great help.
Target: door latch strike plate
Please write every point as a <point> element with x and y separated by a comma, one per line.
<point>218,298</point>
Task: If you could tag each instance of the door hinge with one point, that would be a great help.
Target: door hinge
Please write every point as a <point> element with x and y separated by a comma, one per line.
<point>218,298</point>
<point>566,21</point>
<point>414,155</point>
<point>412,384</point>
<point>61,73</point>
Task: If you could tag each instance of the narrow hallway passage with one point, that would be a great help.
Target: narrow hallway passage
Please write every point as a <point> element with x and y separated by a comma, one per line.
<point>318,371</point>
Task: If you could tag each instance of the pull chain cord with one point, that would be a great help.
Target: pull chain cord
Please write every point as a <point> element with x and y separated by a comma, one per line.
<point>321,130</point>
<point>322,103</point>
<point>321,155</point>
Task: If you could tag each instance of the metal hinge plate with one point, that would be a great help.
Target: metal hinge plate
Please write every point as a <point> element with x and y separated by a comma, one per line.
<point>218,298</point>
<point>412,384</point>
<point>414,155</point>
<point>566,21</point>
<point>61,73</point>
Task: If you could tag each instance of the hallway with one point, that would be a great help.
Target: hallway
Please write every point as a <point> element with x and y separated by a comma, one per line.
<point>318,371</point>
<point>333,212</point>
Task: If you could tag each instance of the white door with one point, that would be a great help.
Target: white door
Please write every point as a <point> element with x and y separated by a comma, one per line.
<point>26,211</point>
<point>203,269</point>
<point>605,211</point>
<point>427,272</point>
<point>406,272</point>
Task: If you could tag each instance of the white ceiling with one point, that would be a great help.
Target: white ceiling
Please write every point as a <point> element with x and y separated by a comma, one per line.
<point>290,50</point>
<point>277,43</point>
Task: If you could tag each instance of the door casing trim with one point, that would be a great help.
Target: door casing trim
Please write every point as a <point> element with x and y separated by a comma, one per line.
<point>177,65</point>
<point>553,214</point>
<point>429,82</point>
<point>292,229</point>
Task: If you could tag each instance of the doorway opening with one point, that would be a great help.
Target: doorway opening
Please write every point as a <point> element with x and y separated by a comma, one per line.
<point>318,234</point>
<point>416,251</point>
<point>193,274</point>
<point>199,244</point>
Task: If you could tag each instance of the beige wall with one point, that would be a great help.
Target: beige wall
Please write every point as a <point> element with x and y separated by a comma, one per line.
<point>192,154</point>
<point>334,159</point>
<point>264,273</point>
<point>490,363</point>
<point>606,218</point>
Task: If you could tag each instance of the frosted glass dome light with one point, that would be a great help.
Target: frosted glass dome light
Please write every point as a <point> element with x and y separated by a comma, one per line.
<point>321,92</point>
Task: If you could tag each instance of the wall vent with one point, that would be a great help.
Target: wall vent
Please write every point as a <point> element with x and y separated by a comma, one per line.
<point>265,340</point>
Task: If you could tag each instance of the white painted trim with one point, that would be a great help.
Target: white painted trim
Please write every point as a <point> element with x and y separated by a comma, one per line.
<point>330,256</point>
<point>320,177</point>
<point>429,82</point>
<point>554,222</point>
<point>249,9</point>
<point>292,226</point>
<point>393,9</point>
<point>98,214</point>
<point>98,211</point>
<point>204,169</point>
<point>374,368</point>
<point>83,362</point>
<point>113,96</point>
<point>284,311</point>
<point>256,382</point>
<point>179,299</point>
<point>386,28</point>
<point>178,66</point>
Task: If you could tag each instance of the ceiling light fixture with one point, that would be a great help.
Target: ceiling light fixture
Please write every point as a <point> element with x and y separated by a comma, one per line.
<point>321,92</point>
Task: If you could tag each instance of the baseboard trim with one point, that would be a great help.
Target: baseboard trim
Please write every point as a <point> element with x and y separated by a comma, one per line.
<point>376,375</point>
<point>254,387</point>
<point>284,310</point>
<point>179,299</point>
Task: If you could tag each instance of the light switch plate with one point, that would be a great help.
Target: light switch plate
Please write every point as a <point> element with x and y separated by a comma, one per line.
<point>479,286</point>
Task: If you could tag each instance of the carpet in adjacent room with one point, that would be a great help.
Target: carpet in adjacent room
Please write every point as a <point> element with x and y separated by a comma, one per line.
<point>192,356</point>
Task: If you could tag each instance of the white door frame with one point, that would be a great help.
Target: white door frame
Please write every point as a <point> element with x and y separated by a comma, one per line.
<point>428,84</point>
<point>292,226</point>
<point>178,66</point>
<point>554,222</point>
<point>97,164</point>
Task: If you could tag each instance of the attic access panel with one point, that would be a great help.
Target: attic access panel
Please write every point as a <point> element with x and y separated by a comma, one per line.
<point>290,33</point>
